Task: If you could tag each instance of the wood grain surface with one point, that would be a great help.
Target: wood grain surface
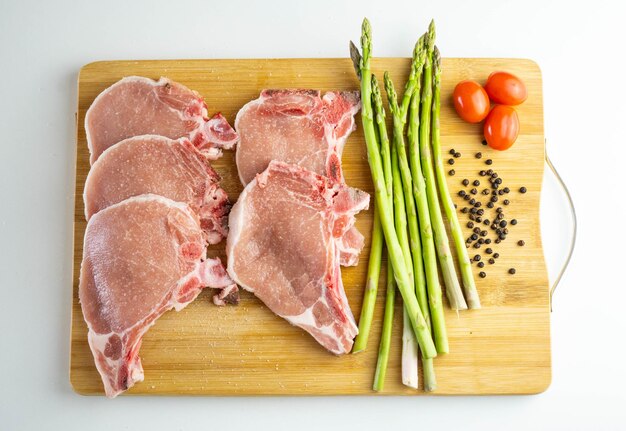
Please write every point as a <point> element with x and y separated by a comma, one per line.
<point>503,348</point>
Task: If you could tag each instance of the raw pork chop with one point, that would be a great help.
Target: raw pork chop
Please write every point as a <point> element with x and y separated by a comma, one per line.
<point>140,106</point>
<point>283,246</point>
<point>154,164</point>
<point>141,257</point>
<point>295,126</point>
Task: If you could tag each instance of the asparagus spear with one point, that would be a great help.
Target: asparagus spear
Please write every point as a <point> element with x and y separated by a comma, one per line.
<point>409,345</point>
<point>423,212</point>
<point>407,185</point>
<point>453,289</point>
<point>373,270</point>
<point>471,294</point>
<point>371,286</point>
<point>384,204</point>
<point>385,338</point>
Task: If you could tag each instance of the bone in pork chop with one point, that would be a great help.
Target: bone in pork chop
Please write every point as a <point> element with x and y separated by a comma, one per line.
<point>140,106</point>
<point>295,126</point>
<point>299,126</point>
<point>283,246</point>
<point>141,257</point>
<point>154,164</point>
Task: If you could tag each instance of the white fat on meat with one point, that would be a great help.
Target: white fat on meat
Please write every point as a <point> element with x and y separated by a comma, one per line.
<point>284,241</point>
<point>154,164</point>
<point>137,106</point>
<point>141,257</point>
<point>300,127</point>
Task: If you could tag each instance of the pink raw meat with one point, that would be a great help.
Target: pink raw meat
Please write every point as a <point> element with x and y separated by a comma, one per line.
<point>140,106</point>
<point>295,126</point>
<point>299,126</point>
<point>154,164</point>
<point>141,257</point>
<point>283,245</point>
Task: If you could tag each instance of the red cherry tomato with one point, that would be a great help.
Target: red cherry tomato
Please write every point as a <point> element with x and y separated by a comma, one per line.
<point>506,89</point>
<point>471,101</point>
<point>501,127</point>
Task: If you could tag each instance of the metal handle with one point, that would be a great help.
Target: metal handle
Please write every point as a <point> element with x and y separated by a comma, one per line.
<point>574,227</point>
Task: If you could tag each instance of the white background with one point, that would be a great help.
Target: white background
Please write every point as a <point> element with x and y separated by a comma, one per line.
<point>42,47</point>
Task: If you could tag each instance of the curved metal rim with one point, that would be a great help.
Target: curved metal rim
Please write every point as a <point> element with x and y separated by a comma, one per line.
<point>574,227</point>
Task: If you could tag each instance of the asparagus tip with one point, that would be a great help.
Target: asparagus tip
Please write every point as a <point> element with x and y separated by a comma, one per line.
<point>355,55</point>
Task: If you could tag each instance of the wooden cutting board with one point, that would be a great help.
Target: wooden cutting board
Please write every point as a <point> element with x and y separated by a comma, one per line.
<point>504,348</point>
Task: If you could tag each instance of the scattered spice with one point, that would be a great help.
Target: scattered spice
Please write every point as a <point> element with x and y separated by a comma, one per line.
<point>465,182</point>
<point>481,264</point>
<point>521,243</point>
<point>479,155</point>
<point>514,222</point>
<point>488,161</point>
<point>523,190</point>
<point>451,172</point>
<point>451,161</point>
<point>476,258</point>
<point>512,271</point>
<point>482,274</point>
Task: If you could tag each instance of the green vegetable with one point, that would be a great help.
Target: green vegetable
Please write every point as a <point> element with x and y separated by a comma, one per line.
<point>453,289</point>
<point>384,203</point>
<point>371,286</point>
<point>423,211</point>
<point>471,294</point>
<point>385,337</point>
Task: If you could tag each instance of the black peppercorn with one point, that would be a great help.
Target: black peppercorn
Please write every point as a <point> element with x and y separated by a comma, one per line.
<point>472,201</point>
<point>488,161</point>
<point>464,210</point>
<point>490,205</point>
<point>482,173</point>
<point>479,219</point>
<point>457,154</point>
<point>492,261</point>
<point>452,151</point>
<point>467,197</point>
<point>476,183</point>
<point>480,212</point>
<point>465,182</point>
<point>476,245</point>
<point>451,172</point>
<point>484,142</point>
<point>512,271</point>
<point>488,241</point>
<point>485,191</point>
<point>476,229</point>
<point>489,172</point>
<point>473,191</point>
<point>506,202</point>
<point>494,175</point>
<point>481,264</point>
<point>523,190</point>
<point>489,251</point>
<point>507,190</point>
<point>482,274</point>
<point>521,243</point>
<point>494,199</point>
<point>502,223</point>
<point>461,193</point>
<point>486,222</point>
<point>479,155</point>
<point>474,237</point>
<point>496,255</point>
<point>514,222</point>
<point>473,210</point>
<point>476,257</point>
<point>497,241</point>
<point>477,204</point>
<point>450,161</point>
<point>470,224</point>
